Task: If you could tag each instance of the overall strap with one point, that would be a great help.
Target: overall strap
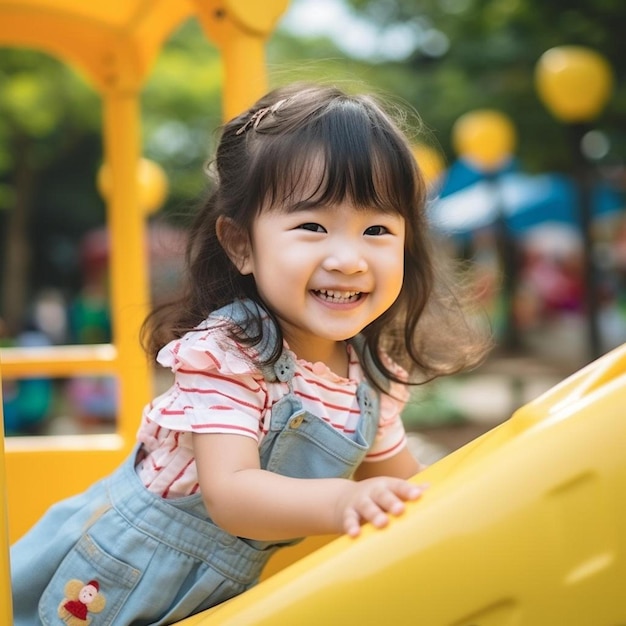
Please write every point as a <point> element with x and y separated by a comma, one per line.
<point>376,378</point>
<point>255,321</point>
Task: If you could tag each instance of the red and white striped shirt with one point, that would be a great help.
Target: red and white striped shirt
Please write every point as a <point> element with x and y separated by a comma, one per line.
<point>217,389</point>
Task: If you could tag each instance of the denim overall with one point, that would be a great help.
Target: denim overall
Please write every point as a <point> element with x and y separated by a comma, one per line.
<point>156,561</point>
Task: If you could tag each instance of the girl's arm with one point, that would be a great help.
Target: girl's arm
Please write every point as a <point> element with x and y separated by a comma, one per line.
<point>250,502</point>
<point>401,465</point>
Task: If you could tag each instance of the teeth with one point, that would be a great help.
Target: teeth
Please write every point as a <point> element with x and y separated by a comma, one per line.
<point>339,296</point>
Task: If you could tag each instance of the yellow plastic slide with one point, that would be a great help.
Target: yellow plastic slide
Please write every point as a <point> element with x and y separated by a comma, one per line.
<point>525,526</point>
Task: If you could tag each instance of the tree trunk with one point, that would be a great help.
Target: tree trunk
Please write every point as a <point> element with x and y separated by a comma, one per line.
<point>17,246</point>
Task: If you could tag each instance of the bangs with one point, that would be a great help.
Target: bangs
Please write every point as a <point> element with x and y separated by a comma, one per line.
<point>342,152</point>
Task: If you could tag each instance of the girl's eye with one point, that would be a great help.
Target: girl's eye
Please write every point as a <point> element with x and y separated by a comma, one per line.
<point>376,230</point>
<point>313,227</point>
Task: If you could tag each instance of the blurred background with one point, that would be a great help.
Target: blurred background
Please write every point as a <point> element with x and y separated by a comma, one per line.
<point>521,136</point>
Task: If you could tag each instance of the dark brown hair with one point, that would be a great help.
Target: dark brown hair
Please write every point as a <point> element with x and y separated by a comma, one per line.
<point>265,159</point>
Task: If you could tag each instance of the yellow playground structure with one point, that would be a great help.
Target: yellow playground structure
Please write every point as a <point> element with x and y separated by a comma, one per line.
<point>525,526</point>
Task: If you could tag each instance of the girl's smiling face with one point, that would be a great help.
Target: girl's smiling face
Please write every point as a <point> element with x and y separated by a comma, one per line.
<point>328,209</point>
<point>325,271</point>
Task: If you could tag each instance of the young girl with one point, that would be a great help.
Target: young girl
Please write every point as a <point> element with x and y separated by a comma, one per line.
<point>310,304</point>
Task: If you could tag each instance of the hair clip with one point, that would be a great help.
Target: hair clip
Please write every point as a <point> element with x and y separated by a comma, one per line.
<point>255,119</point>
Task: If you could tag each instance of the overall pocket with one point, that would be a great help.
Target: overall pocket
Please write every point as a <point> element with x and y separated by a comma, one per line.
<point>308,447</point>
<point>88,582</point>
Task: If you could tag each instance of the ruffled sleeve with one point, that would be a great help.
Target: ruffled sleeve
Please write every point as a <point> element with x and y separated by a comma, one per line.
<point>207,348</point>
<point>217,388</point>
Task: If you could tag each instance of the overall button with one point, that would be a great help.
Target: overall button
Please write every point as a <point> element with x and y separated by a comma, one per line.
<point>296,422</point>
<point>284,367</point>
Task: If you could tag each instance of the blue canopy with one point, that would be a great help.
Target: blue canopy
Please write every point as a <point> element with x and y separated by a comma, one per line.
<point>524,200</point>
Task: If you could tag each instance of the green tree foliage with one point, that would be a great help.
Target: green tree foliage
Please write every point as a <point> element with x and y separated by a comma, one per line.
<point>48,117</point>
<point>180,110</point>
<point>51,149</point>
<point>489,58</point>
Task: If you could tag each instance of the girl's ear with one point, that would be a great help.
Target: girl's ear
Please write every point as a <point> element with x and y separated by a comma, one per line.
<point>235,242</point>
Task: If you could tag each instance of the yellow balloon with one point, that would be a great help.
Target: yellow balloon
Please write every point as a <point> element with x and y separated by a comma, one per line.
<point>151,179</point>
<point>573,82</point>
<point>484,137</point>
<point>430,162</point>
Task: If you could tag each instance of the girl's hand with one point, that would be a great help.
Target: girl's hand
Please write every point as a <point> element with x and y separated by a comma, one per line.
<point>372,500</point>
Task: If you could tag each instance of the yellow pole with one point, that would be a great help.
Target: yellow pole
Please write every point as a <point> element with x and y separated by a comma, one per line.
<point>240,28</point>
<point>128,255</point>
<point>6,611</point>
<point>245,75</point>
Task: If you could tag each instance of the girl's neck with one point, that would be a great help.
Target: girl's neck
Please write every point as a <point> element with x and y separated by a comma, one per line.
<point>334,355</point>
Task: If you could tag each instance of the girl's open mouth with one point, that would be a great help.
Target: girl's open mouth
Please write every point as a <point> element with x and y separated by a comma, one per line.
<point>337,297</point>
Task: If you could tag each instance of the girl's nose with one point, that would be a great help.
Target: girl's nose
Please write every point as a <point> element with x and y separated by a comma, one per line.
<point>346,259</point>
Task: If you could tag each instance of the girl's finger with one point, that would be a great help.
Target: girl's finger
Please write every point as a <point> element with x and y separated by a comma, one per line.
<point>389,501</point>
<point>352,523</point>
<point>409,491</point>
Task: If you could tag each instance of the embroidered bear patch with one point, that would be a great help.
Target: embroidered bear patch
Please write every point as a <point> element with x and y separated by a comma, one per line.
<point>80,600</point>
